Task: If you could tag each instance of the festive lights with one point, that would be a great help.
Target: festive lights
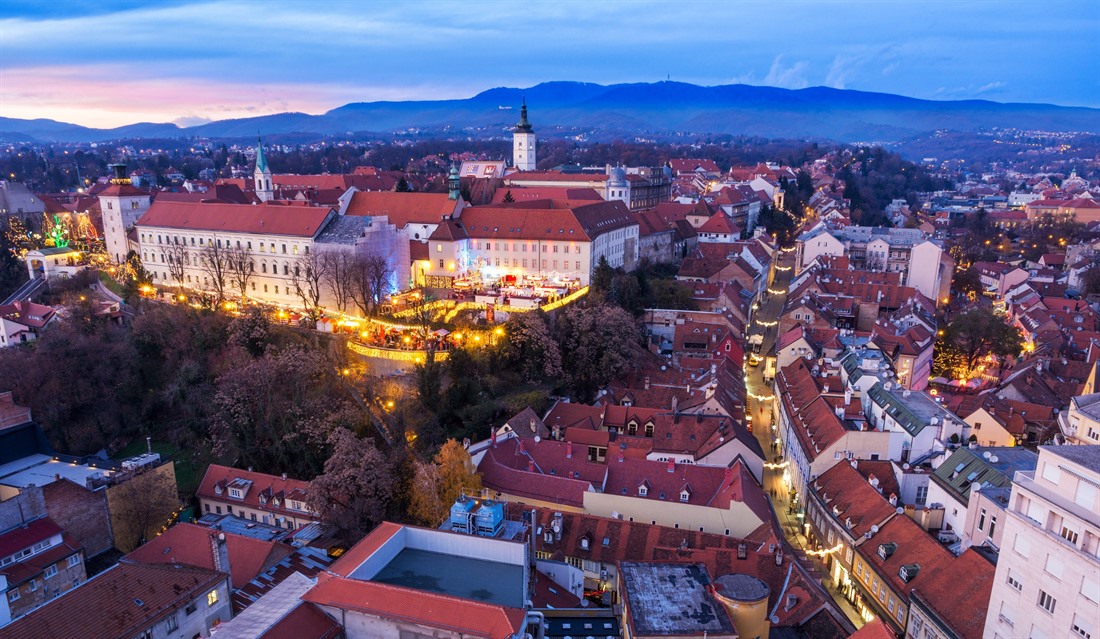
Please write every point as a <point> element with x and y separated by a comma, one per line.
<point>827,551</point>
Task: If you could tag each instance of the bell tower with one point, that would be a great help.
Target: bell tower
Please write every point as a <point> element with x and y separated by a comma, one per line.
<point>523,142</point>
<point>261,176</point>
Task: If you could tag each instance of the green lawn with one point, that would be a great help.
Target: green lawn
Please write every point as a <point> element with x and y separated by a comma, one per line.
<point>187,472</point>
<point>110,283</point>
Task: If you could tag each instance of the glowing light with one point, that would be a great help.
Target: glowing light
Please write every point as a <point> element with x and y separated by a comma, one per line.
<point>775,466</point>
<point>827,551</point>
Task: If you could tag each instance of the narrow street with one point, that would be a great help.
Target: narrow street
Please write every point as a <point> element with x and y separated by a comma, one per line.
<point>760,398</point>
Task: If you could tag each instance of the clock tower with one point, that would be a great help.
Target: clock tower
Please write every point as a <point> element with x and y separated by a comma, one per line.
<point>523,142</point>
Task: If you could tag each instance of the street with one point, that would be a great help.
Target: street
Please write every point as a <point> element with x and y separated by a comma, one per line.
<point>759,406</point>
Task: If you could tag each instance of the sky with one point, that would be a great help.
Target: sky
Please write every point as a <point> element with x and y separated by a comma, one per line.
<point>107,63</point>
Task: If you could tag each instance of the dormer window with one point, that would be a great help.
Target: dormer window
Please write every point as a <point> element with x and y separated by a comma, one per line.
<point>886,550</point>
<point>684,495</point>
<point>218,489</point>
<point>263,498</point>
<point>632,427</point>
<point>649,429</point>
<point>908,572</point>
<point>236,493</point>
<point>643,490</point>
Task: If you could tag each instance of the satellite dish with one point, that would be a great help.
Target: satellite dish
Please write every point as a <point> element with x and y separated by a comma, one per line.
<point>905,466</point>
<point>614,514</point>
<point>900,510</point>
<point>874,529</point>
<point>537,439</point>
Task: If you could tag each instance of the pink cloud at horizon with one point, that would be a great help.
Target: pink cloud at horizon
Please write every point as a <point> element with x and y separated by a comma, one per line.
<point>107,97</point>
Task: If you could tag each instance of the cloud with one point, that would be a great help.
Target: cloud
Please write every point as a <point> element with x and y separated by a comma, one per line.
<point>191,120</point>
<point>792,77</point>
<point>844,68</point>
<point>971,91</point>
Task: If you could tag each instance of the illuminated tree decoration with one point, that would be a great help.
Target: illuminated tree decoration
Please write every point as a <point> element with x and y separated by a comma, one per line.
<point>59,233</point>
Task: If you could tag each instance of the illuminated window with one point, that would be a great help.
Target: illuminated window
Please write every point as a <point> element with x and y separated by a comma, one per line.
<point>211,597</point>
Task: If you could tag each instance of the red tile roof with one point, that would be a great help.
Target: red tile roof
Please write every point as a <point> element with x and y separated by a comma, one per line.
<point>971,573</point>
<point>357,554</point>
<point>28,313</point>
<point>876,629</point>
<point>306,621</point>
<point>403,208</point>
<point>522,177</point>
<point>269,486</point>
<point>27,535</point>
<point>849,496</point>
<point>416,606</point>
<point>118,603</point>
<point>520,194</point>
<point>190,544</point>
<point>266,219</point>
<point>553,220</point>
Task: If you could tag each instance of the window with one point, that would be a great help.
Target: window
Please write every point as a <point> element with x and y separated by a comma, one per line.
<point>73,560</point>
<point>1082,627</point>
<point>922,494</point>
<point>1053,567</point>
<point>1014,581</point>
<point>1021,546</point>
<point>1086,493</point>
<point>51,571</point>
<point>992,524</point>
<point>981,519</point>
<point>14,594</point>
<point>1069,535</point>
<point>172,623</point>
<point>1046,602</point>
<point>1051,472</point>
<point>33,585</point>
<point>440,263</point>
<point>212,598</point>
<point>901,612</point>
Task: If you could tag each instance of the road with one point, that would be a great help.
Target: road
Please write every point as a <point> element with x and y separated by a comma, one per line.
<point>759,406</point>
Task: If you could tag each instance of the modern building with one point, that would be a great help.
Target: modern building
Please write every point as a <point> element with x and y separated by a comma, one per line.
<point>1048,573</point>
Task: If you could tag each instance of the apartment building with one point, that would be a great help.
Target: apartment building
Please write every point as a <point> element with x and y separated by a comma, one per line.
<point>1048,574</point>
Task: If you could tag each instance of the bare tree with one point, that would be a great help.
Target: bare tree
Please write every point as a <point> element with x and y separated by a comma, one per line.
<point>241,268</point>
<point>310,271</point>
<point>340,276</point>
<point>177,262</point>
<point>214,260</point>
<point>370,282</point>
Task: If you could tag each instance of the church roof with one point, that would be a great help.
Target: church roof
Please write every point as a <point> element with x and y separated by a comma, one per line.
<point>261,160</point>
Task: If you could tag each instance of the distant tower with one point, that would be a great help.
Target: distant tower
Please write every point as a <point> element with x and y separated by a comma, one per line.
<point>454,183</point>
<point>523,142</point>
<point>262,175</point>
<point>122,204</point>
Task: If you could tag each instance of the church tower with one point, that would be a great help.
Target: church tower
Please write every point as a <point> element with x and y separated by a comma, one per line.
<point>523,142</point>
<point>262,175</point>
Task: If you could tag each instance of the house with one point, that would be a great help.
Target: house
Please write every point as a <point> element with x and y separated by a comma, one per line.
<point>38,562</point>
<point>281,612</point>
<point>23,321</point>
<point>243,557</point>
<point>1080,423</point>
<point>133,600</point>
<point>277,501</point>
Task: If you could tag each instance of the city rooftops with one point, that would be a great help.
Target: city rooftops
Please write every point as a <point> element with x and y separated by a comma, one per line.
<point>39,470</point>
<point>671,599</point>
<point>912,410</point>
<point>991,467</point>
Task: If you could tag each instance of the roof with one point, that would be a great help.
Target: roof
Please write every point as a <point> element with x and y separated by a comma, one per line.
<point>556,220</point>
<point>1087,456</point>
<point>33,566</point>
<point>256,486</point>
<point>306,621</point>
<point>403,208</point>
<point>521,193</point>
<point>874,629</point>
<point>27,313</point>
<point>852,499</point>
<point>119,602</point>
<point>671,599</point>
<point>971,573</point>
<point>416,606</point>
<point>281,611</point>
<point>190,544</point>
<point>260,219</point>
<point>27,535</point>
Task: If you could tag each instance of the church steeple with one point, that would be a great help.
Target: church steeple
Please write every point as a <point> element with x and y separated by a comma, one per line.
<point>523,142</point>
<point>523,126</point>
<point>262,175</point>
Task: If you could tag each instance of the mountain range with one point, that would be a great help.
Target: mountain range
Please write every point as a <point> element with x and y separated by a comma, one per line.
<point>659,108</point>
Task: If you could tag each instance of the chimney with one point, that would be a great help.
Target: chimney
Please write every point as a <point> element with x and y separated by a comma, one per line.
<point>893,499</point>
<point>848,396</point>
<point>521,449</point>
<point>672,465</point>
<point>530,465</point>
<point>646,382</point>
<point>220,551</point>
<point>149,444</point>
<point>569,450</point>
<point>675,404</point>
<point>534,428</point>
<point>284,476</point>
<point>556,526</point>
<point>621,456</point>
<point>557,432</point>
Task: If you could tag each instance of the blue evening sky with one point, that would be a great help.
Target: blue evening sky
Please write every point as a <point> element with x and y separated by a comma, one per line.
<point>107,63</point>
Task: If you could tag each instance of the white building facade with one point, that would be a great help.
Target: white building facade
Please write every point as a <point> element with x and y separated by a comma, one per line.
<point>1048,574</point>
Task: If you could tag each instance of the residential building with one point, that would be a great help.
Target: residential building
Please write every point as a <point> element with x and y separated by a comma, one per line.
<point>268,499</point>
<point>1080,423</point>
<point>16,200</point>
<point>955,479</point>
<point>920,260</point>
<point>1048,573</point>
<point>637,187</point>
<point>38,562</point>
<point>23,321</point>
<point>133,600</point>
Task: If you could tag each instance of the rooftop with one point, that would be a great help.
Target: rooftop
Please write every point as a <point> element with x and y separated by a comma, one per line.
<point>1087,456</point>
<point>671,599</point>
<point>458,576</point>
<point>40,470</point>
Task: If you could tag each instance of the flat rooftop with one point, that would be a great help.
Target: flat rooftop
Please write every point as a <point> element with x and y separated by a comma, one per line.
<point>466,577</point>
<point>41,470</point>
<point>671,599</point>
